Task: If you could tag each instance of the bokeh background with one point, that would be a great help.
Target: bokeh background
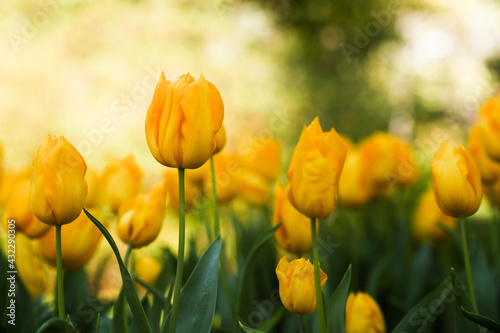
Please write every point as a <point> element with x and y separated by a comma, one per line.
<point>86,69</point>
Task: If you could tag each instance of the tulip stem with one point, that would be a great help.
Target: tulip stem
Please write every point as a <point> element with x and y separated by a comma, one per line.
<point>317,281</point>
<point>225,286</point>
<point>468,271</point>
<point>60,287</point>
<point>126,259</point>
<point>180,256</point>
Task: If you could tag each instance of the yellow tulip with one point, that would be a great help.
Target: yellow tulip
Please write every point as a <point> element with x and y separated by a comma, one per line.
<point>191,190</point>
<point>262,157</point>
<point>29,267</point>
<point>363,315</point>
<point>314,171</point>
<point>456,181</point>
<point>58,187</point>
<point>79,242</point>
<point>379,154</point>
<point>182,121</point>
<point>296,285</point>
<point>18,208</point>
<point>8,182</point>
<point>94,196</point>
<point>253,188</point>
<point>427,218</point>
<point>294,234</point>
<point>489,127</point>
<point>406,169</point>
<point>220,139</point>
<point>140,219</point>
<point>488,168</point>
<point>121,181</point>
<point>355,187</point>
<point>147,268</point>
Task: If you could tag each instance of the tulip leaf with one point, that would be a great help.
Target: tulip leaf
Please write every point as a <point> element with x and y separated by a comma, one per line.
<point>246,266</point>
<point>336,304</point>
<point>248,329</point>
<point>98,324</point>
<point>155,292</point>
<point>120,318</point>
<point>421,317</point>
<point>462,298</point>
<point>128,284</point>
<point>164,279</point>
<point>56,325</point>
<point>482,320</point>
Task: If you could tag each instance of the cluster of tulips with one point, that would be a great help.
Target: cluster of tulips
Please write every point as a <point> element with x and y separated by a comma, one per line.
<point>57,213</point>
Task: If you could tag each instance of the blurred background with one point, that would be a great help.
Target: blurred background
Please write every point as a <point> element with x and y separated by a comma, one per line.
<point>87,69</point>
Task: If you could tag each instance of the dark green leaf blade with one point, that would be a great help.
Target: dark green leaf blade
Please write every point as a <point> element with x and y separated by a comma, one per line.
<point>462,298</point>
<point>248,329</point>
<point>56,325</point>
<point>483,321</point>
<point>336,304</point>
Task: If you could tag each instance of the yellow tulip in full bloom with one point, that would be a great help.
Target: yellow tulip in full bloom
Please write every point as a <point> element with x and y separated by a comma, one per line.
<point>456,181</point>
<point>182,121</point>
<point>314,171</point>
<point>296,285</point>
<point>489,127</point>
<point>488,168</point>
<point>58,188</point>
<point>220,139</point>
<point>18,208</point>
<point>121,181</point>
<point>294,234</point>
<point>30,267</point>
<point>363,315</point>
<point>427,218</point>
<point>79,241</point>
<point>140,219</point>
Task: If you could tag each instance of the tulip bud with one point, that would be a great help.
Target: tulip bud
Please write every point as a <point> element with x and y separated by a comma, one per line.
<point>147,268</point>
<point>253,188</point>
<point>191,190</point>
<point>294,234</point>
<point>121,181</point>
<point>488,168</point>
<point>79,242</point>
<point>406,168</point>
<point>379,154</point>
<point>362,314</point>
<point>95,194</point>
<point>296,285</point>
<point>314,171</point>
<point>489,127</point>
<point>355,187</point>
<point>140,219</point>
<point>58,188</point>
<point>262,157</point>
<point>427,218</point>
<point>29,267</point>
<point>456,181</point>
<point>182,121</point>
<point>220,139</point>
<point>18,208</point>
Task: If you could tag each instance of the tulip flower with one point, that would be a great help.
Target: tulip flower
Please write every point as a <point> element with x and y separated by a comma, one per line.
<point>140,219</point>
<point>79,242</point>
<point>296,285</point>
<point>456,181</point>
<point>489,127</point>
<point>9,181</point>
<point>427,218</point>
<point>294,234</point>
<point>58,188</point>
<point>488,168</point>
<point>262,157</point>
<point>314,171</point>
<point>121,181</point>
<point>379,154</point>
<point>253,188</point>
<point>147,268</point>
<point>363,315</point>
<point>220,139</point>
<point>355,187</point>
<point>95,194</point>
<point>182,121</point>
<point>29,267</point>
<point>18,208</point>
<point>406,168</point>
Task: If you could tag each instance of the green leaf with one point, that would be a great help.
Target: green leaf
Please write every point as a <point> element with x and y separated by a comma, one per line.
<point>336,304</point>
<point>120,318</point>
<point>155,292</point>
<point>462,298</point>
<point>248,329</point>
<point>128,284</point>
<point>246,266</point>
<point>56,325</point>
<point>421,317</point>
<point>165,279</point>
<point>98,324</point>
<point>269,324</point>
<point>199,294</point>
<point>483,321</point>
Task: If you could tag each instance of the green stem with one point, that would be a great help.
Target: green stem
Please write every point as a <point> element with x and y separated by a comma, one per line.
<point>180,256</point>
<point>305,323</point>
<point>468,271</point>
<point>60,287</point>
<point>225,286</point>
<point>317,281</point>
<point>126,259</point>
<point>494,223</point>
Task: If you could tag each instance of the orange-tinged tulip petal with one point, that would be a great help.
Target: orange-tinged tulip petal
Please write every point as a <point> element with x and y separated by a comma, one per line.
<point>355,187</point>
<point>488,168</point>
<point>314,171</point>
<point>220,139</point>
<point>489,127</point>
<point>95,193</point>
<point>363,315</point>
<point>456,181</point>
<point>147,268</point>
<point>428,217</point>
<point>58,188</point>
<point>406,169</point>
<point>29,267</point>
<point>262,157</point>
<point>296,285</point>
<point>253,188</point>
